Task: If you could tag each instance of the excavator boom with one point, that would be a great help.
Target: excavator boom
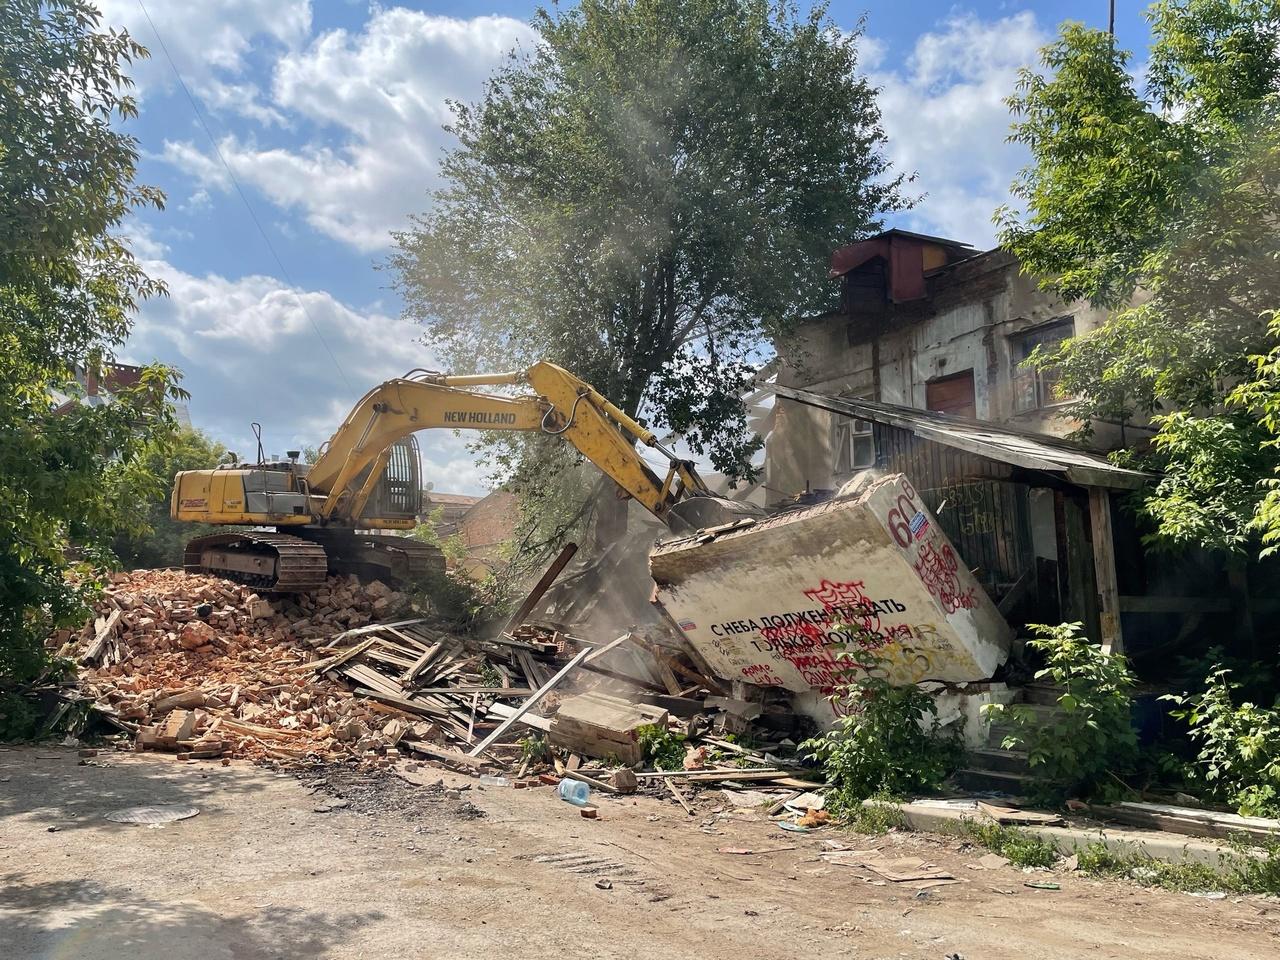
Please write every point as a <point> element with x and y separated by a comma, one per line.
<point>326,504</point>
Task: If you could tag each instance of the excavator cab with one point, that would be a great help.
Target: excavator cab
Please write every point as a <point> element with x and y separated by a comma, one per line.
<point>398,495</point>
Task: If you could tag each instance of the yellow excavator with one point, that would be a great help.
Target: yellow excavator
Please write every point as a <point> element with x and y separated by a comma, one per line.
<point>308,520</point>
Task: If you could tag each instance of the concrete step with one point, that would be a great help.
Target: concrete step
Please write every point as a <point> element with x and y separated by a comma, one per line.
<point>999,727</point>
<point>1045,694</point>
<point>971,778</point>
<point>997,760</point>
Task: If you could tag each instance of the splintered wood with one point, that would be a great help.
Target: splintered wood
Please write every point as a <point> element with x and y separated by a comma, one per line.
<point>466,689</point>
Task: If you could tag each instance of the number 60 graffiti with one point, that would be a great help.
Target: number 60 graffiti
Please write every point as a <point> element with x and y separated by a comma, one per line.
<point>899,518</point>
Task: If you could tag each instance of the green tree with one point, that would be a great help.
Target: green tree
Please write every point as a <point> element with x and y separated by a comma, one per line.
<point>68,287</point>
<point>160,542</point>
<point>642,196</point>
<point>1163,204</point>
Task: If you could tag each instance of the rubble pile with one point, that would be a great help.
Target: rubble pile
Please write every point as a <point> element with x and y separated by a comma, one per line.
<point>204,665</point>
<point>207,668</point>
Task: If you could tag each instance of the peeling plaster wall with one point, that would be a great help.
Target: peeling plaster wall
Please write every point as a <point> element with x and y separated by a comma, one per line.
<point>973,310</point>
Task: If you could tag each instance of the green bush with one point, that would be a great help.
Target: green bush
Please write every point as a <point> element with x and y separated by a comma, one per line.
<point>887,741</point>
<point>1090,741</point>
<point>1239,757</point>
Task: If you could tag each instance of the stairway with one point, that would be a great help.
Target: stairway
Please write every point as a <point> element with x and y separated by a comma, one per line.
<point>992,768</point>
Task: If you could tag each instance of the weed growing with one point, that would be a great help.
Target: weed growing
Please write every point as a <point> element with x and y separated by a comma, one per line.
<point>662,748</point>
<point>875,817</point>
<point>1248,869</point>
<point>1020,848</point>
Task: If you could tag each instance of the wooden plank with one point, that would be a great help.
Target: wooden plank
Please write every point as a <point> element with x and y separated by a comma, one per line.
<point>411,706</point>
<point>485,691</point>
<point>372,678</point>
<point>530,668</point>
<point>372,628</point>
<point>599,652</point>
<point>439,753</point>
<point>530,703</point>
<point>592,781</point>
<point>542,586</point>
<point>105,629</point>
<point>731,774</point>
<point>1104,570</point>
<point>675,792</point>
<point>350,654</point>
<point>504,710</point>
<point>1175,605</point>
<point>421,663</point>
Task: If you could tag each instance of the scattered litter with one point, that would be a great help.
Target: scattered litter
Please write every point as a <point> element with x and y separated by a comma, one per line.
<point>152,815</point>
<point>1209,895</point>
<point>1041,885</point>
<point>992,861</point>
<point>574,791</point>
<point>604,884</point>
<point>748,851</point>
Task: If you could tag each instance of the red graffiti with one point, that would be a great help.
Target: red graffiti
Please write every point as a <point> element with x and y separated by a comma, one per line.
<point>762,675</point>
<point>805,647</point>
<point>937,570</point>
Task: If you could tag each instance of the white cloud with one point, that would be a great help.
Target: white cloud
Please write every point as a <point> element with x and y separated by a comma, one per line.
<point>378,101</point>
<point>251,352</point>
<point>945,115</point>
<point>211,43</point>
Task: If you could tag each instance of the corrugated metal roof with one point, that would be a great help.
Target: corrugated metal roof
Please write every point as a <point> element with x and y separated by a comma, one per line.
<point>1015,447</point>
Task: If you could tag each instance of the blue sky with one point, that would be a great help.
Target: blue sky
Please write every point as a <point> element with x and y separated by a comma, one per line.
<point>329,115</point>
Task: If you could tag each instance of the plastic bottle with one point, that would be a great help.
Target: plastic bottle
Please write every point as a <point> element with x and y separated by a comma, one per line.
<point>575,792</point>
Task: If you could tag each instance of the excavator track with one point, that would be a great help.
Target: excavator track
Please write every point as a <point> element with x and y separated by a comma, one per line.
<point>275,562</point>
<point>383,556</point>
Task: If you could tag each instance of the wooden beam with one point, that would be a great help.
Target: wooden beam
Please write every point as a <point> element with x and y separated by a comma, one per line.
<point>541,587</point>
<point>1104,570</point>
<point>528,704</point>
<point>1175,605</point>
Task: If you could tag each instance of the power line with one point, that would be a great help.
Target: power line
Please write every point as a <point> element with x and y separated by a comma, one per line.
<point>239,190</point>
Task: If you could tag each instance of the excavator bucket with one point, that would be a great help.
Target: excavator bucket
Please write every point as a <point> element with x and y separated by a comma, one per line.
<point>772,602</point>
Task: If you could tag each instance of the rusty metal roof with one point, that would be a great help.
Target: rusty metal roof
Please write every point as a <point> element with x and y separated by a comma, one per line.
<point>1018,448</point>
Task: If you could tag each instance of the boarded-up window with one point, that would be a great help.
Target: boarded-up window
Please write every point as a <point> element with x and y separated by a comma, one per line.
<point>1033,387</point>
<point>952,395</point>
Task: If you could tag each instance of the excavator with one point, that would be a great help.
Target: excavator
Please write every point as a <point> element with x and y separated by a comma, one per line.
<point>303,521</point>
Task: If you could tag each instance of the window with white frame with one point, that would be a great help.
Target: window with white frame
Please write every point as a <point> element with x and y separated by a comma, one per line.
<point>854,445</point>
<point>1037,387</point>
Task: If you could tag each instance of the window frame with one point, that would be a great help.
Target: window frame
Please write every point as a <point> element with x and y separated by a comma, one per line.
<point>848,430</point>
<point>1043,382</point>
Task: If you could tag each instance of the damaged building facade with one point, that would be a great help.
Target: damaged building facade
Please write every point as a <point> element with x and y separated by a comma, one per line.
<point>920,370</point>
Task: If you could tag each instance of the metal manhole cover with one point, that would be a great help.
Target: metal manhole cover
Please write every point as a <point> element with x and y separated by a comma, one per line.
<point>160,813</point>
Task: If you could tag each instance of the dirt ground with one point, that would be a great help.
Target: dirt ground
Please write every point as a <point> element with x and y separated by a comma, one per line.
<point>337,865</point>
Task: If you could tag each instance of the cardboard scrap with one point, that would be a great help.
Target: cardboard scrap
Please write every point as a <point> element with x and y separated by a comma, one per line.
<point>1013,815</point>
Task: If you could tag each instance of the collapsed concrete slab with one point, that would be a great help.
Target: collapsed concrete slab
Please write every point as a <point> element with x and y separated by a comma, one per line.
<point>773,602</point>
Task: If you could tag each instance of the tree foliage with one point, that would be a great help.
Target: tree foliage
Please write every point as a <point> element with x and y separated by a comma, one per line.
<point>641,197</point>
<point>159,541</point>
<point>1162,203</point>
<point>68,287</point>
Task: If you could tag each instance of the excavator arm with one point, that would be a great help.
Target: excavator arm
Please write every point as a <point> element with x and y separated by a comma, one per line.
<point>561,405</point>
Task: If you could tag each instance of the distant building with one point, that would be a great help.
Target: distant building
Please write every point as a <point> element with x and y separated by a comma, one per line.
<point>486,529</point>
<point>452,506</point>
<point>98,390</point>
